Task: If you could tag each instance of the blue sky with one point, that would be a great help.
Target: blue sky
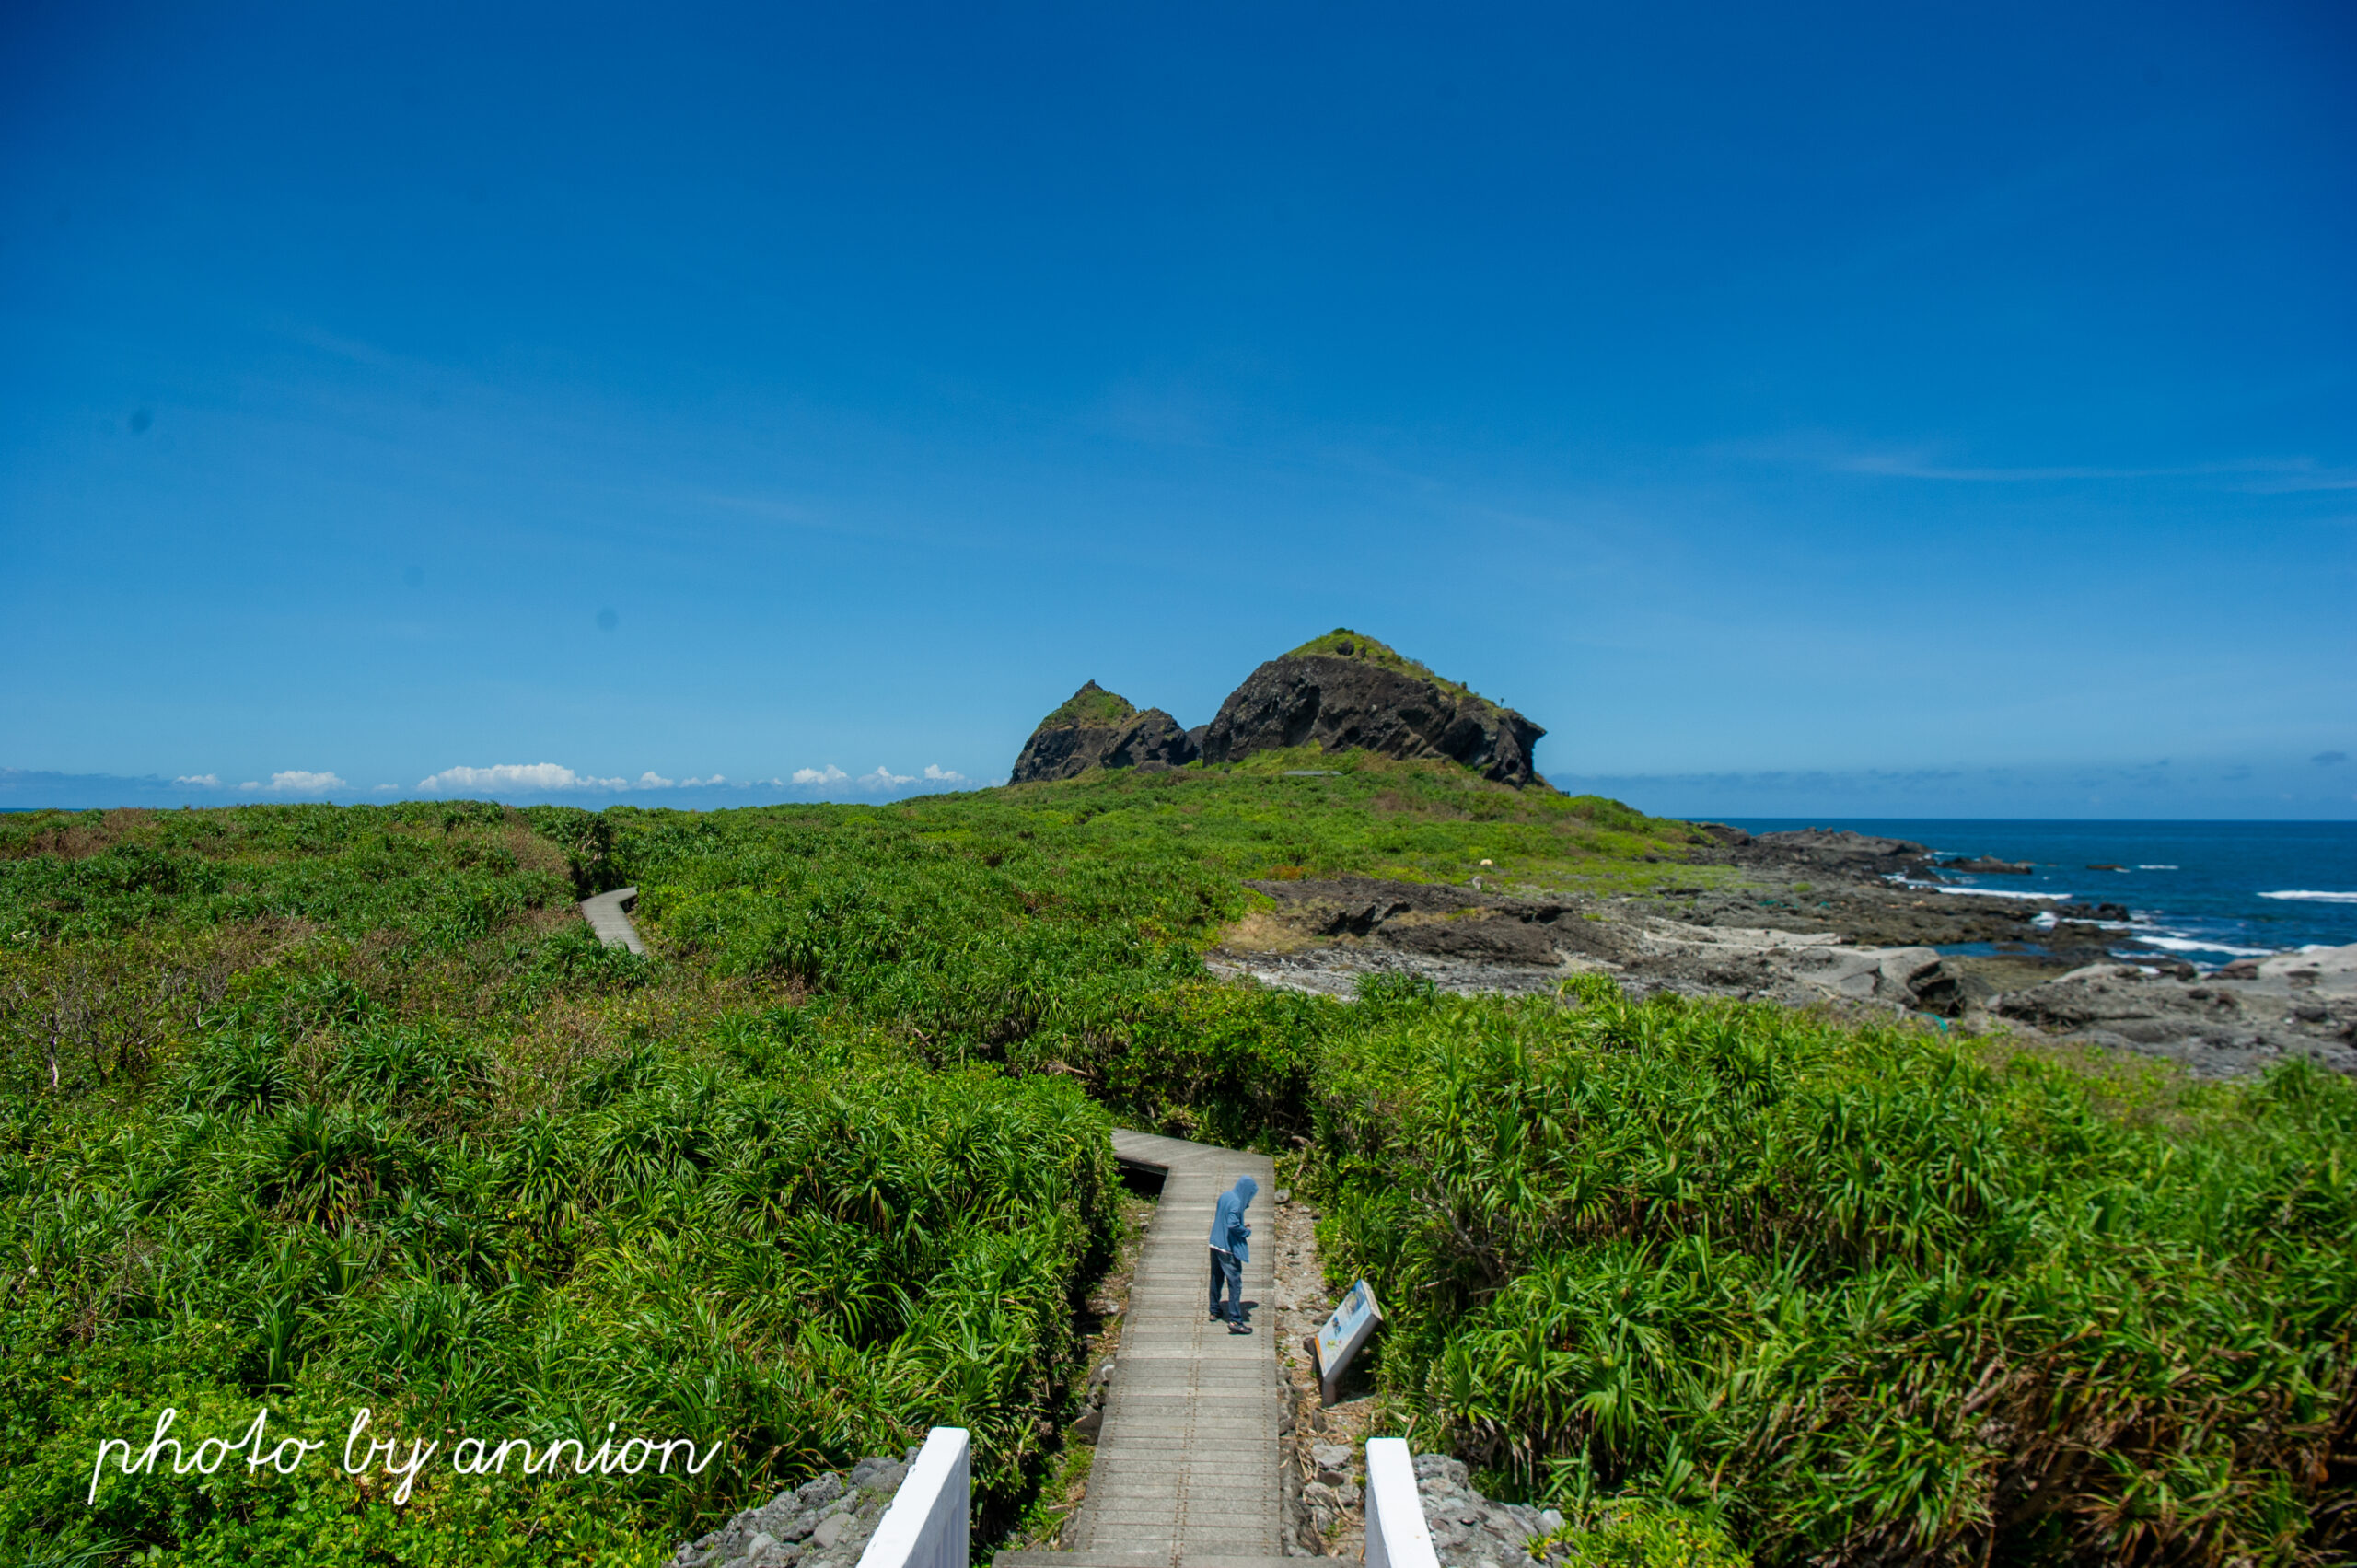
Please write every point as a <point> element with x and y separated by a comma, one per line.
<point>1890,410</point>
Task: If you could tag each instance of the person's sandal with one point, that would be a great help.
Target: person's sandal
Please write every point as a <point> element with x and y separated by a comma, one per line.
<point>1238,1328</point>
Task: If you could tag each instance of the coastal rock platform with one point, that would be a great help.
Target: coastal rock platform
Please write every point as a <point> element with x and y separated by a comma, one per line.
<point>1853,938</point>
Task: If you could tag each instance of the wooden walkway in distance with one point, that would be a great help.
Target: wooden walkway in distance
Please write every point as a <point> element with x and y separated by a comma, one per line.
<point>1187,1467</point>
<point>609,916</point>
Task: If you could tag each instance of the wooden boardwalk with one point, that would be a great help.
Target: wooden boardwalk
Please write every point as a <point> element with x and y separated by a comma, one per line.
<point>609,916</point>
<point>1187,1467</point>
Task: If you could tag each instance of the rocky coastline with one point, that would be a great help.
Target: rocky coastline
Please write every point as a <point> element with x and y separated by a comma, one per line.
<point>1807,917</point>
<point>1836,920</point>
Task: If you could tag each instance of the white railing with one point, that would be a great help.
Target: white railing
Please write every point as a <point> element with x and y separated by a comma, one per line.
<point>1397,1536</point>
<point>926,1525</point>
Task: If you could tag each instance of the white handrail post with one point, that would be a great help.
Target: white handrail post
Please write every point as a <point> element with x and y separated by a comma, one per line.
<point>1397,1536</point>
<point>927,1524</point>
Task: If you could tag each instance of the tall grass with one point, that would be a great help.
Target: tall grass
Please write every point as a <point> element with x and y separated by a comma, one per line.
<point>796,1247</point>
<point>1861,1295</point>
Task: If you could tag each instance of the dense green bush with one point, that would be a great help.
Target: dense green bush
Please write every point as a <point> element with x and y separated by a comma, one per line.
<point>772,1238</point>
<point>1858,1294</point>
<point>1019,949</point>
<point>439,874</point>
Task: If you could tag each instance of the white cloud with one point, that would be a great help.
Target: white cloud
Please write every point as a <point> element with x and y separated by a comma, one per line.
<point>699,783</point>
<point>208,781</point>
<point>250,783</point>
<point>940,774</point>
<point>388,789</point>
<point>295,781</point>
<point>828,775</point>
<point>884,778</point>
<point>652,780</point>
<point>517,775</point>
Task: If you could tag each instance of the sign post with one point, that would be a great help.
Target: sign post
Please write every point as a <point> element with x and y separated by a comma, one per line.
<point>1332,1347</point>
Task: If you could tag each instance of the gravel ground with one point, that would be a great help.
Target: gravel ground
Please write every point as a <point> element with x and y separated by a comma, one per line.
<point>1323,1446</point>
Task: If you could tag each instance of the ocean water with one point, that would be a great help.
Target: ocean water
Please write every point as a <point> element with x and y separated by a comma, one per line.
<point>2207,891</point>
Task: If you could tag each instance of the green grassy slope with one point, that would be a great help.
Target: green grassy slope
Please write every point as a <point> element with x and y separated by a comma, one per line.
<point>324,1108</point>
<point>1091,705</point>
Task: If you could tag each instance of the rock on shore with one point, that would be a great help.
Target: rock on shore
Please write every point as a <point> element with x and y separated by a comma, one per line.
<point>1325,935</point>
<point>1547,940</point>
<point>2291,1004</point>
<point>1837,849</point>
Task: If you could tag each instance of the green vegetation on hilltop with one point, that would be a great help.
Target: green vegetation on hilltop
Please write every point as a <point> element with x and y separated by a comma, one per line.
<point>325,1106</point>
<point>1344,643</point>
<point>1090,707</point>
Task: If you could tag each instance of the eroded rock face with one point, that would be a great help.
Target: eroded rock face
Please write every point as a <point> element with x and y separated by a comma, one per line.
<point>1343,690</point>
<point>1339,693</point>
<point>1096,728</point>
<point>1152,740</point>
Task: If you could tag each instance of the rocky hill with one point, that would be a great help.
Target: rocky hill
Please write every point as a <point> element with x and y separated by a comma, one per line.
<point>1343,691</point>
<point>1339,693</point>
<point>1096,728</point>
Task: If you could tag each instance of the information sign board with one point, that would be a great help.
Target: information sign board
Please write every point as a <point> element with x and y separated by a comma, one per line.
<point>1343,1333</point>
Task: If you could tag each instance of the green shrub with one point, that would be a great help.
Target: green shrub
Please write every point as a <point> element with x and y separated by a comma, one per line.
<point>1642,1535</point>
<point>1863,1295</point>
<point>806,1255</point>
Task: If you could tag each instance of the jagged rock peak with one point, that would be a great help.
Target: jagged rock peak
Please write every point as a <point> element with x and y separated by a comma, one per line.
<point>1096,728</point>
<point>1346,691</point>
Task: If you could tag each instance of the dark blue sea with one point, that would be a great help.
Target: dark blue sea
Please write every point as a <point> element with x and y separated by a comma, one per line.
<point>2208,891</point>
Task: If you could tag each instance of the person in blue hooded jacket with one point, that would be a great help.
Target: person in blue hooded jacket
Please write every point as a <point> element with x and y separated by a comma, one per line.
<point>1228,1251</point>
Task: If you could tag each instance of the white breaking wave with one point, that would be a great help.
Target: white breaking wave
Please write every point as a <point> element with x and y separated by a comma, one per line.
<point>2156,868</point>
<point>1996,893</point>
<point>2313,896</point>
<point>2189,945</point>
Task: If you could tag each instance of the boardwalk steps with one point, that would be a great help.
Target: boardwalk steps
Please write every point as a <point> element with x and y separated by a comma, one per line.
<point>1187,1465</point>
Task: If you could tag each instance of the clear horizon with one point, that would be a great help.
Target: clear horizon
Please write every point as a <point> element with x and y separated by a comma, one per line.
<point>1947,414</point>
